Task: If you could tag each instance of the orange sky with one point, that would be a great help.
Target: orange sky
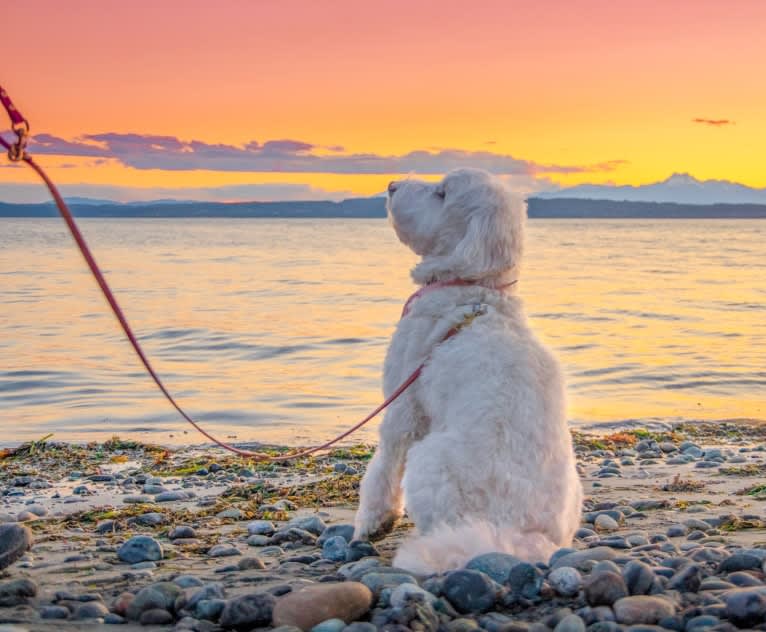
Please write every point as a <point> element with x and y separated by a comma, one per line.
<point>574,91</point>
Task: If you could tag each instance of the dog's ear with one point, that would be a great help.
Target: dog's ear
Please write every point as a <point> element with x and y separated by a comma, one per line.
<point>492,243</point>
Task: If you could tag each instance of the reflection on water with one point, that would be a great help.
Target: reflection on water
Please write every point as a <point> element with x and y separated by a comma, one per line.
<point>276,329</point>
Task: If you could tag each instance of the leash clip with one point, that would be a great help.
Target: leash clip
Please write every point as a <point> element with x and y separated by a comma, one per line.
<point>18,150</point>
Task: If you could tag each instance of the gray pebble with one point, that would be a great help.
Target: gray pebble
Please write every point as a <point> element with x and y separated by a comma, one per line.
<point>345,531</point>
<point>182,532</point>
<point>54,612</point>
<point>248,611</point>
<point>570,623</point>
<point>525,580</point>
<point>565,580</point>
<point>140,548</point>
<point>745,607</point>
<point>604,588</point>
<point>261,527</point>
<point>223,550</point>
<point>496,565</point>
<point>15,540</point>
<point>357,549</point>
<point>335,549</point>
<point>469,591</point>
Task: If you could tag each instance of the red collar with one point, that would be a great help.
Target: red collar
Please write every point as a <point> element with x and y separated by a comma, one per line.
<point>440,284</point>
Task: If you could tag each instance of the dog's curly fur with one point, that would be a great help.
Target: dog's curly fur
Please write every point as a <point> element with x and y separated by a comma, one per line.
<point>478,448</point>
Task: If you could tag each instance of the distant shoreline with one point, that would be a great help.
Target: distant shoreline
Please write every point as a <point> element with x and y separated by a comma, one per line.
<point>374,208</point>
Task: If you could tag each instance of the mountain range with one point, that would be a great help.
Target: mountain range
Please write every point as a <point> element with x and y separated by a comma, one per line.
<point>680,188</point>
<point>679,196</point>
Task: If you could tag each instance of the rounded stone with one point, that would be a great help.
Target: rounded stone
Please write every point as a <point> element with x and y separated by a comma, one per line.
<point>17,592</point>
<point>188,581</point>
<point>15,540</point>
<point>687,579</point>
<point>582,560</point>
<point>603,522</point>
<point>566,581</point>
<point>335,549</point>
<point>312,524</point>
<point>677,530</point>
<point>248,611</point>
<point>182,531</point>
<point>210,609</point>
<point>604,588</point>
<point>377,582</point>
<point>141,548</point>
<point>740,561</point>
<point>90,610</point>
<point>525,580</point>
<point>570,623</point>
<point>357,549</point>
<point>250,563</point>
<point>360,626</point>
<point>159,596</point>
<point>310,606</point>
<point>638,577</point>
<point>745,607</point>
<point>345,531</point>
<point>407,592</point>
<point>156,616</point>
<point>469,591</point>
<point>54,612</point>
<point>223,550</point>
<point>261,527</point>
<point>330,625</point>
<point>642,609</point>
<point>497,565</point>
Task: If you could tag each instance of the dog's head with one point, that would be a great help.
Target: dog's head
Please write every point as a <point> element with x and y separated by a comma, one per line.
<point>467,226</point>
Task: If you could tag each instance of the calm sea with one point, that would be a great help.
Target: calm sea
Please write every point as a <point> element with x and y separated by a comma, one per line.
<point>275,330</point>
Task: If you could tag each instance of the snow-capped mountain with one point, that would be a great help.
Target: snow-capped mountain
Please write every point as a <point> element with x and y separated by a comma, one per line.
<point>681,188</point>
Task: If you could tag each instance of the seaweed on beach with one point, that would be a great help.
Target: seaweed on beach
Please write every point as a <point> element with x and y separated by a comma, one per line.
<point>326,492</point>
<point>734,523</point>
<point>758,491</point>
<point>751,469</point>
<point>679,484</point>
<point>622,439</point>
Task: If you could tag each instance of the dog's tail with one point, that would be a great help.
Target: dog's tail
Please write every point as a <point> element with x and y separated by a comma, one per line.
<point>449,548</point>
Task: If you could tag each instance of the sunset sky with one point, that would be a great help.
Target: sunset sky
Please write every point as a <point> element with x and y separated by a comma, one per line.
<point>258,99</point>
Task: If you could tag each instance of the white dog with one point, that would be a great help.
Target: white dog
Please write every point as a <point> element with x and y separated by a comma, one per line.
<point>477,449</point>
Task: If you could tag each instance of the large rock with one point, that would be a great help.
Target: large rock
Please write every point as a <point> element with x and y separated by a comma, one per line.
<point>604,588</point>
<point>583,560</point>
<point>496,565</point>
<point>639,577</point>
<point>566,581</point>
<point>469,591</point>
<point>745,607</point>
<point>141,548</point>
<point>14,541</point>
<point>248,611</point>
<point>17,592</point>
<point>161,595</point>
<point>310,606</point>
<point>642,609</point>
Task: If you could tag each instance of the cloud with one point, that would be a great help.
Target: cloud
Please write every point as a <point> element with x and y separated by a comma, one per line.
<point>288,156</point>
<point>34,193</point>
<point>713,122</point>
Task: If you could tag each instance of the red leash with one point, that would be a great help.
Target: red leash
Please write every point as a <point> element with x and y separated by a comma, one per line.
<point>17,153</point>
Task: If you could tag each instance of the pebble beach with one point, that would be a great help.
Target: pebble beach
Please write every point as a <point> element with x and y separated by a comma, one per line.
<point>122,533</point>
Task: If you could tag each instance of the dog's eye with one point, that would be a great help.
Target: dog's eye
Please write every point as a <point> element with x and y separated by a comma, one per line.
<point>440,192</point>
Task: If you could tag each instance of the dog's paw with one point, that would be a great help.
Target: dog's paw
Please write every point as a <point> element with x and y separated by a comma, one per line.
<point>375,527</point>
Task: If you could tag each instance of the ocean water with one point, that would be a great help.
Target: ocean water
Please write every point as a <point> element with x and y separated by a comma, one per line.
<point>275,330</point>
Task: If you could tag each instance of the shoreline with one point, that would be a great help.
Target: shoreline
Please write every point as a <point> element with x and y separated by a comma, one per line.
<point>695,491</point>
